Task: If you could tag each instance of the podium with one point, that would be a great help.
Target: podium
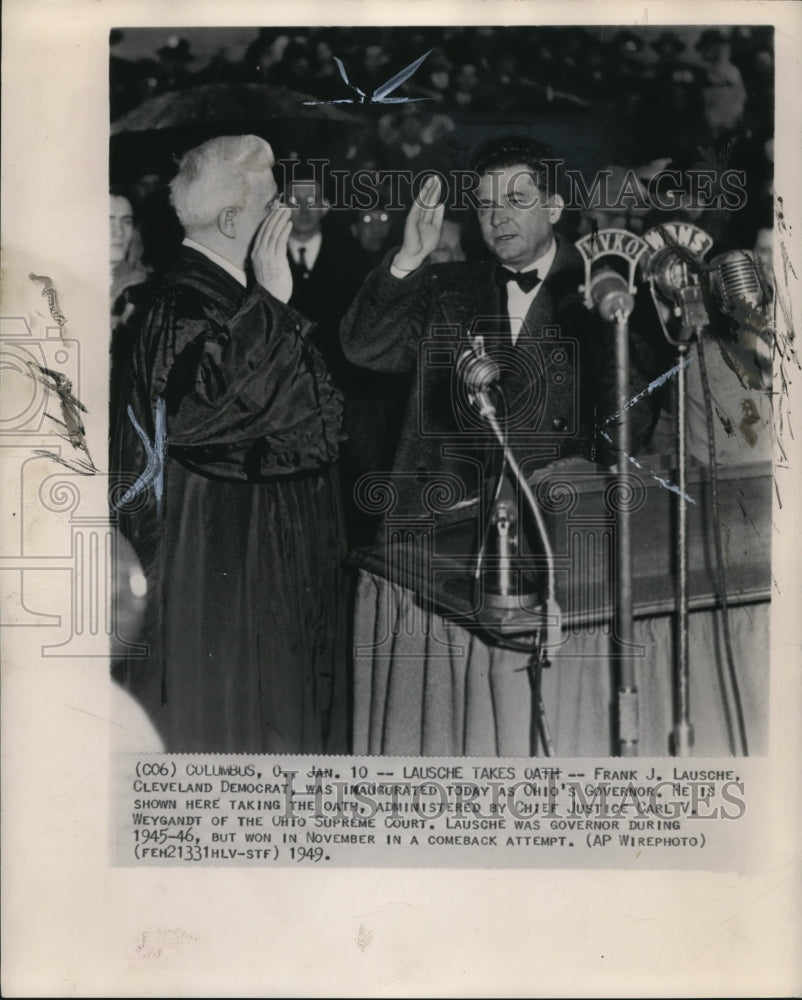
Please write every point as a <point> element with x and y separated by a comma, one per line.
<point>429,680</point>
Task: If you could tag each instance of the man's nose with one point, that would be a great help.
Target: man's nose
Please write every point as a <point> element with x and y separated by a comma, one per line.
<point>498,215</point>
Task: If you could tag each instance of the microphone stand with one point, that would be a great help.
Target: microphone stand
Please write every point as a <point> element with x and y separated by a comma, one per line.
<point>737,285</point>
<point>553,627</point>
<point>682,736</point>
<point>624,628</point>
<point>690,307</point>
<point>612,296</point>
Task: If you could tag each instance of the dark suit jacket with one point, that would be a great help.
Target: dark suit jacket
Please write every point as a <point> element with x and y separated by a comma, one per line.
<point>558,380</point>
<point>326,292</point>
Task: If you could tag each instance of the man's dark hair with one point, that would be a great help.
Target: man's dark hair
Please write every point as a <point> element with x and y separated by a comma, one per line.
<point>507,150</point>
<point>120,191</point>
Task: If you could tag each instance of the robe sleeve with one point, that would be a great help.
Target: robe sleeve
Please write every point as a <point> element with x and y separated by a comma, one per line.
<point>240,384</point>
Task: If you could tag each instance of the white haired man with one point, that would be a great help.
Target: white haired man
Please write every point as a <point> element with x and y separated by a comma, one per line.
<point>230,498</point>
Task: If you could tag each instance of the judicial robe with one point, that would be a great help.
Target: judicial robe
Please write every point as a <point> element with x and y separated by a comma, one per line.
<point>226,489</point>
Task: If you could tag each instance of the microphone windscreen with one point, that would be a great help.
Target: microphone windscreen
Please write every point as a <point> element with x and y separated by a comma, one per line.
<point>610,294</point>
<point>737,282</point>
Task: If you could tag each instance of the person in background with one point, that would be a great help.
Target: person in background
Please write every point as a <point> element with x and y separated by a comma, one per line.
<point>722,88</point>
<point>323,263</point>
<point>129,289</point>
<point>371,229</point>
<point>328,268</point>
<point>450,246</point>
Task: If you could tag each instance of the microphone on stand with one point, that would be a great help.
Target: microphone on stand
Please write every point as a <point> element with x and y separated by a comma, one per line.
<point>737,281</point>
<point>613,301</point>
<point>733,281</point>
<point>478,372</point>
<point>610,294</point>
<point>675,272</point>
<point>740,291</point>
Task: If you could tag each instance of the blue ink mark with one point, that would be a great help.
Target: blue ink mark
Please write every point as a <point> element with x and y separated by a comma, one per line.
<point>651,387</point>
<point>153,474</point>
<point>663,482</point>
<point>380,94</point>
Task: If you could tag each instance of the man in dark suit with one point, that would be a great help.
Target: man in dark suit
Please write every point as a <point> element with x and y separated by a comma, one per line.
<point>328,267</point>
<point>556,359</point>
<point>423,684</point>
<point>324,265</point>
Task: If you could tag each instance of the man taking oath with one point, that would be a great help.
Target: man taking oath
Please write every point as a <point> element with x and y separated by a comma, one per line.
<point>556,365</point>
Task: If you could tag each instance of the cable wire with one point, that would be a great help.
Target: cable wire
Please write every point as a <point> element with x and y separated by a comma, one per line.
<point>736,692</point>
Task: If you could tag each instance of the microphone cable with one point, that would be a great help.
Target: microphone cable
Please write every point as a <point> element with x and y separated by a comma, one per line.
<point>536,650</point>
<point>736,691</point>
<point>502,470</point>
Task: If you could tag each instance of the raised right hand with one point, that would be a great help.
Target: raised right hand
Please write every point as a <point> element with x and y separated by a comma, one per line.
<point>422,228</point>
<point>271,265</point>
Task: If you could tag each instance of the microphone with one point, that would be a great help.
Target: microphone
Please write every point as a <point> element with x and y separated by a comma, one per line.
<point>740,291</point>
<point>610,294</point>
<point>478,372</point>
<point>737,282</point>
<point>674,271</point>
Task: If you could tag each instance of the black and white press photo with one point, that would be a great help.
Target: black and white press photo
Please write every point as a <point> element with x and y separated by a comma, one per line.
<point>442,395</point>
<point>399,498</point>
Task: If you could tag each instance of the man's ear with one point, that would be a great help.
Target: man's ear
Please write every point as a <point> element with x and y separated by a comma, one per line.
<point>226,222</point>
<point>556,206</point>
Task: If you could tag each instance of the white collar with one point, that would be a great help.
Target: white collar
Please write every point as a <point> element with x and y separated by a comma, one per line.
<point>216,258</point>
<point>312,247</point>
<point>543,263</point>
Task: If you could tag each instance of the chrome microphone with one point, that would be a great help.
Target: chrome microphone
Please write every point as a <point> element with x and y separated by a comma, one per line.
<point>478,372</point>
<point>740,290</point>
<point>675,267</point>
<point>737,282</point>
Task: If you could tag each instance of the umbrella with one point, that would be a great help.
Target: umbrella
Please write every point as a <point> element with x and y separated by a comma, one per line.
<point>152,137</point>
<point>231,106</point>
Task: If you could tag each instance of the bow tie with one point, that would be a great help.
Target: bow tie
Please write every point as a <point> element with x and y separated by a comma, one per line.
<point>526,280</point>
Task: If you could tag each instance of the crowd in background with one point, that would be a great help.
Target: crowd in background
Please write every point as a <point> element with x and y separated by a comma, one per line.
<point>483,68</point>
<point>620,99</point>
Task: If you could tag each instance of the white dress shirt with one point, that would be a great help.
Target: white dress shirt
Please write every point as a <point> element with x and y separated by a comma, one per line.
<point>519,301</point>
<point>215,258</point>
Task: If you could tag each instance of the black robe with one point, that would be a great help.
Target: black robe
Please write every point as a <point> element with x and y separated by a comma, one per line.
<point>240,533</point>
